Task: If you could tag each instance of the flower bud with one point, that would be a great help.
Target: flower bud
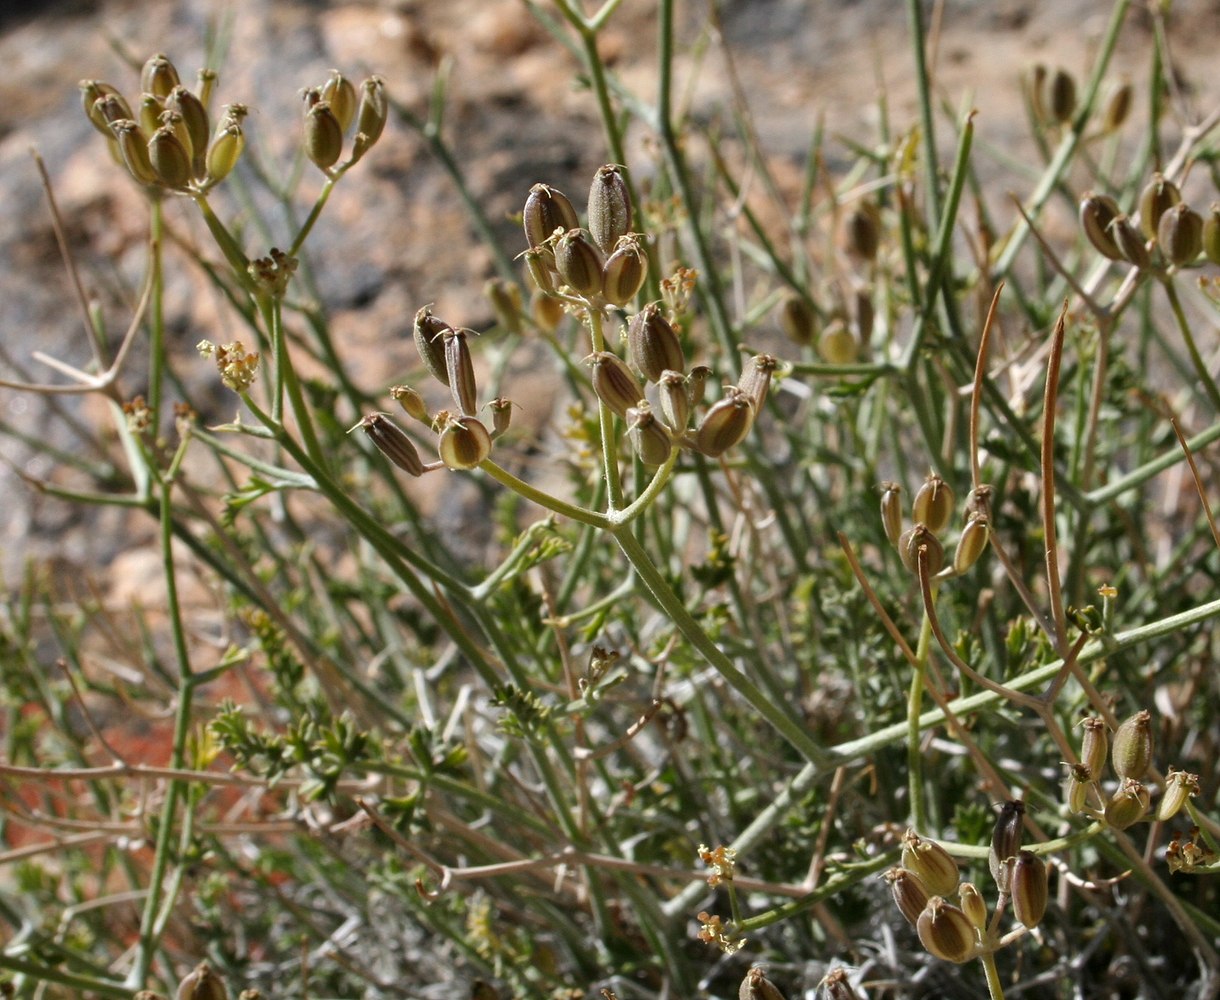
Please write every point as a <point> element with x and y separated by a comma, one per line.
<point>202,984</point>
<point>797,319</point>
<point>1129,242</point>
<point>1179,786</point>
<point>159,77</point>
<point>1097,213</point>
<point>837,345</point>
<point>933,504</point>
<point>609,208</point>
<point>973,904</point>
<point>971,543</point>
<point>1094,746</point>
<point>224,152</point>
<point>696,383</point>
<point>920,537</point>
<point>373,110</point>
<point>340,94</point>
<point>392,442</point>
<point>1157,198</point>
<point>891,511</point>
<point>412,402</point>
<point>1118,107</point>
<point>945,931</point>
<point>1005,842</point>
<point>1180,234</point>
<point>756,986</point>
<point>862,231</point>
<point>579,263</point>
<point>323,136</point>
<point>932,863</point>
<point>1131,752</point>
<point>653,344</point>
<point>908,892</point>
<point>460,369</point>
<point>1211,233</point>
<point>1061,96</point>
<point>464,441</point>
<point>1028,888</point>
<point>675,405</point>
<point>613,382</point>
<point>1128,804</point>
<point>725,424</point>
<point>133,148</point>
<point>755,379</point>
<point>546,210</point>
<point>429,333</point>
<point>648,435</point>
<point>624,271</point>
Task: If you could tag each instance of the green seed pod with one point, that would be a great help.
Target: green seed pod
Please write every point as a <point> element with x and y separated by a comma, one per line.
<point>546,312</point>
<point>797,319</point>
<point>373,110</point>
<point>613,382</point>
<point>412,402</point>
<point>91,92</point>
<point>1211,233</point>
<point>1128,805</point>
<point>194,117</point>
<point>202,984</point>
<point>133,148</point>
<point>1156,199</point>
<point>224,152</point>
<point>911,541</point>
<point>1076,788</point>
<point>1129,242</point>
<point>339,92</point>
<point>1097,213</point>
<point>392,442</point>
<point>1131,752</point>
<point>696,383</point>
<point>837,345</point>
<point>464,441</point>
<point>159,77</point>
<point>932,863</point>
<point>1005,842</point>
<point>460,369</point>
<point>945,931</point>
<point>501,415</point>
<point>547,210</point>
<point>150,113</point>
<point>675,405</point>
<point>725,424</point>
<point>1179,786</point>
<point>430,342</point>
<point>648,435</point>
<point>624,271</point>
<point>755,379</point>
<point>170,159</point>
<point>579,263</point>
<point>1094,746</point>
<point>205,83</point>
<point>1180,234</point>
<point>908,892</point>
<point>862,231</point>
<point>1118,107</point>
<point>933,504</point>
<point>609,208</point>
<point>1061,96</point>
<point>174,121</point>
<point>756,986</point>
<point>971,543</point>
<point>891,511</point>
<point>505,299</point>
<point>653,344</point>
<point>1029,890</point>
<point>973,904</point>
<point>323,136</point>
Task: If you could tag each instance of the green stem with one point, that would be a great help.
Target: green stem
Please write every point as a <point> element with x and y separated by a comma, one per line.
<point>919,811</point>
<point>926,122</point>
<point>605,420</point>
<point>994,986</point>
<point>156,312</point>
<point>314,214</point>
<point>1196,359</point>
<point>544,499</point>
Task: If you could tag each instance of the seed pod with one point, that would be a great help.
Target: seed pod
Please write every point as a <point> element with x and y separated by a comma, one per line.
<point>505,299</point>
<point>429,333</point>
<point>1128,804</point>
<point>891,511</point>
<point>339,92</point>
<point>1036,87</point>
<point>945,931</point>
<point>392,442</point>
<point>865,315</point>
<point>624,271</point>
<point>1097,213</point>
<point>195,120</point>
<point>675,405</point>
<point>1094,746</point>
<point>464,441</point>
<point>1129,242</point>
<point>174,121</point>
<point>797,319</point>
<point>1180,234</point>
<point>1077,788</point>
<point>224,152</point>
<point>971,543</point>
<point>546,312</point>
<point>836,986</point>
<point>613,382</point>
<point>159,77</point>
<point>933,865</point>
<point>609,208</point>
<point>837,345</point>
<point>920,537</point>
<point>696,383</point>
<point>653,344</point>
<point>460,369</point>
<point>373,110</point>
<point>91,93</point>
<point>546,210</point>
<point>755,379</point>
<point>1029,890</point>
<point>908,892</point>
<point>862,231</point>
<point>111,108</point>
<point>1061,96</point>
<point>1005,842</point>
<point>1118,107</point>
<point>756,986</point>
<point>1131,752</point>
<point>202,984</point>
<point>978,502</point>
<point>133,148</point>
<point>973,904</point>
<point>323,136</point>
<point>205,83</point>
<point>1157,198</point>
<point>412,402</point>
<point>579,263</point>
<point>648,435</point>
<point>725,424</point>
<point>1211,233</point>
<point>149,114</point>
<point>501,415</point>
<point>933,504</point>
<point>1179,786</point>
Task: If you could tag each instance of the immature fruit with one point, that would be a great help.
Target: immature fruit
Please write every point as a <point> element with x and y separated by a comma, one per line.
<point>1028,888</point>
<point>756,986</point>
<point>460,369</point>
<point>464,441</point>
<point>797,319</point>
<point>908,892</point>
<point>624,272</point>
<point>755,379</point>
<point>1211,233</point>
<point>323,136</point>
<point>170,158</point>
<point>1179,786</point>
<point>971,543</point>
<point>648,435</point>
<point>1130,242</point>
<point>891,511</point>
<point>546,210</point>
<point>159,77</point>
<point>224,152</point>
<point>933,504</point>
<point>862,230</point>
<point>1097,212</point>
<point>1157,198</point>
<point>1118,107</point>
<point>1131,752</point>
<point>1128,805</point>
<point>429,332</point>
<point>392,442</point>
<point>609,207</point>
<point>973,904</point>
<point>133,148</point>
<point>202,984</point>
<point>945,931</point>
<point>675,405</point>
<point>411,402</point>
<point>837,345</point>
<point>1077,788</point>
<point>911,541</point>
<point>1180,234</point>
<point>932,863</point>
<point>653,343</point>
<point>725,424</point>
<point>1061,96</point>
<point>1094,745</point>
<point>340,94</point>
<point>373,109</point>
<point>1005,842</point>
<point>579,263</point>
<point>195,118</point>
<point>613,382</point>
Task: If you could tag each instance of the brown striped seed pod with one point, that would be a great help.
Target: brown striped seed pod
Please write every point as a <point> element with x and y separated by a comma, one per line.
<point>1029,889</point>
<point>755,379</point>
<point>836,986</point>
<point>756,986</point>
<point>373,109</point>
<point>933,865</point>
<point>971,543</point>
<point>460,369</point>
<point>91,94</point>
<point>501,415</point>
<point>133,148</point>
<point>392,442</point>
<point>195,120</point>
<point>1128,805</point>
<point>1131,751</point>
<point>918,538</point>
<point>1179,786</point>
<point>1005,842</point>
<point>429,332</point>
<point>624,271</point>
<point>675,405</point>
<point>1097,214</point>
<point>609,207</point>
<point>579,263</point>
<point>464,441</point>
<point>323,136</point>
<point>946,932</point>
<point>159,77</point>
<point>546,210</point>
<point>1180,234</point>
<point>978,501</point>
<point>1094,745</point>
<point>202,984</point>
<point>797,319</point>
<point>725,424</point>
<point>933,504</point>
<point>908,892</point>
<point>1118,107</point>
<point>340,93</point>
<point>649,437</point>
<point>891,511</point>
<point>613,382</point>
<point>1157,198</point>
<point>174,121</point>
<point>653,344</point>
<point>973,904</point>
<point>862,230</point>
<point>696,383</point>
<point>1130,242</point>
<point>1061,96</point>
<point>540,265</point>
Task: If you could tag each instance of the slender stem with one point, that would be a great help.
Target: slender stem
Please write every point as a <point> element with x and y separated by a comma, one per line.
<point>156,311</point>
<point>605,421</point>
<point>544,499</point>
<point>1196,359</point>
<point>314,214</point>
<point>994,986</point>
<point>919,813</point>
